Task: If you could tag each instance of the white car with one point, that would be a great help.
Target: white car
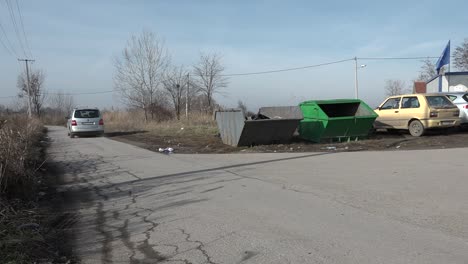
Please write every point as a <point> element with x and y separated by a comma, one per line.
<point>460,99</point>
<point>85,121</point>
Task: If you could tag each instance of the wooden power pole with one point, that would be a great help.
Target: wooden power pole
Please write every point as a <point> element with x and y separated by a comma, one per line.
<point>28,85</point>
<point>187,96</point>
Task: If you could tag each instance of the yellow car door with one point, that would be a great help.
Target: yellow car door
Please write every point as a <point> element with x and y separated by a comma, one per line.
<point>388,113</point>
<point>410,108</point>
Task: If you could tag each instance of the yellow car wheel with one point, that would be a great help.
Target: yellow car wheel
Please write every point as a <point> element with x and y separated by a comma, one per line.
<point>416,128</point>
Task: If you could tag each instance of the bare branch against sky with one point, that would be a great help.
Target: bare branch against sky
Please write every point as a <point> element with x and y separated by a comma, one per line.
<point>139,72</point>
<point>461,56</point>
<point>395,87</point>
<point>209,76</point>
<point>36,91</point>
<point>176,84</point>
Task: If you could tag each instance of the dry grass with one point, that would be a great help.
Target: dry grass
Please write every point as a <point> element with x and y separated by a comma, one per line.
<point>197,124</point>
<point>21,233</point>
<point>19,151</point>
<point>55,119</point>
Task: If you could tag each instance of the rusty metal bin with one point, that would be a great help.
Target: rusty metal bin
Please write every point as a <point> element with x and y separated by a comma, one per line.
<point>236,130</point>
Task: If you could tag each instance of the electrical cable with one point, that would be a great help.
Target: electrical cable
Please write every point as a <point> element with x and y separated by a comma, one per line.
<point>287,69</point>
<point>57,93</point>
<point>6,48</point>
<point>100,92</point>
<point>15,26</point>
<point>270,71</point>
<point>11,48</point>
<point>397,58</point>
<point>22,27</point>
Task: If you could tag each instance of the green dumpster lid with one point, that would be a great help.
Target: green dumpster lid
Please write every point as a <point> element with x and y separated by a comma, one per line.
<point>333,101</point>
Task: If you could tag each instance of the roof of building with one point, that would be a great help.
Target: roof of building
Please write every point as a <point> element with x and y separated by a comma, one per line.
<point>449,73</point>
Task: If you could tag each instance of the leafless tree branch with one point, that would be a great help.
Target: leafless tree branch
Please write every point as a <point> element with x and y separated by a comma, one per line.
<point>209,76</point>
<point>428,71</point>
<point>461,56</point>
<point>395,87</point>
<point>139,72</point>
<point>176,83</point>
<point>35,91</point>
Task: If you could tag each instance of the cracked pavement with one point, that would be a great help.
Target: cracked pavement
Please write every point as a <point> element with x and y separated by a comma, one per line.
<point>131,205</point>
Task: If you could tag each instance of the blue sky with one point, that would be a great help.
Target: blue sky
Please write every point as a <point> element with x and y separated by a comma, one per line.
<point>74,43</point>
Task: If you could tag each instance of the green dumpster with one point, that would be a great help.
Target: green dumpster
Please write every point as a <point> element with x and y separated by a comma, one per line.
<point>342,119</point>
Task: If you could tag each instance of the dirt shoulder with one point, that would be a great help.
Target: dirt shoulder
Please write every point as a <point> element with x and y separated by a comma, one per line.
<point>211,142</point>
<point>33,223</point>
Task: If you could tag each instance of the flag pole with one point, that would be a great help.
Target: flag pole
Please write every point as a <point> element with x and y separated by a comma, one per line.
<point>450,61</point>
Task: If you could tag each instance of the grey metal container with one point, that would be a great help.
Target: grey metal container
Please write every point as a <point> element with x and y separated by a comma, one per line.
<point>236,130</point>
<point>283,112</point>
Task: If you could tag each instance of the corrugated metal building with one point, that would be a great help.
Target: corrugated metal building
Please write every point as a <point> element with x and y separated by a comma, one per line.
<point>448,82</point>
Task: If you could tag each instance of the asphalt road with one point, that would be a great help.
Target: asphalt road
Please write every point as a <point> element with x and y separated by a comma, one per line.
<point>136,206</point>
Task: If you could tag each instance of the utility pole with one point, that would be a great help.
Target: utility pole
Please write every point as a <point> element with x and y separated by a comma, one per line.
<point>186,95</point>
<point>28,85</point>
<point>356,89</point>
<point>356,86</point>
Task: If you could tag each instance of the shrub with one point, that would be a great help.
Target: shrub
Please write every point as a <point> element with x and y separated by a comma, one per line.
<point>19,151</point>
<point>122,121</point>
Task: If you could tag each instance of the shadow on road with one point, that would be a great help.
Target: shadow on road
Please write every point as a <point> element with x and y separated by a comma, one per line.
<point>108,210</point>
<point>190,173</point>
<point>116,134</point>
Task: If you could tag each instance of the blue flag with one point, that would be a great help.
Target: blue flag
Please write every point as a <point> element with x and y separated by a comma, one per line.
<point>444,59</point>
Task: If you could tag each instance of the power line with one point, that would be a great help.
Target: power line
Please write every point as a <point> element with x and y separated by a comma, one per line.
<point>22,27</point>
<point>11,48</point>
<point>5,46</point>
<point>397,58</point>
<point>15,26</point>
<point>268,72</point>
<point>287,69</point>
<point>11,96</point>
<point>328,63</point>
<point>58,93</point>
<point>100,92</point>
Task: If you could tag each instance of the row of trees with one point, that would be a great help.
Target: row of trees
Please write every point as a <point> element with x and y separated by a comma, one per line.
<point>396,86</point>
<point>145,78</point>
<point>52,106</point>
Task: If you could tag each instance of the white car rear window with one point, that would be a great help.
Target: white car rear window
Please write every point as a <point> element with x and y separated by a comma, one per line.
<point>87,113</point>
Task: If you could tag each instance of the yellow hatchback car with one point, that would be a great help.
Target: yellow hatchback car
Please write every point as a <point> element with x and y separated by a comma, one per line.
<point>416,113</point>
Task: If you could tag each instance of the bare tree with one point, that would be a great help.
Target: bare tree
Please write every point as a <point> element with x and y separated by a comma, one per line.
<point>427,71</point>
<point>461,56</point>
<point>199,103</point>
<point>62,103</point>
<point>395,87</point>
<point>59,105</point>
<point>175,84</point>
<point>241,105</point>
<point>36,90</point>
<point>209,76</point>
<point>139,72</point>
